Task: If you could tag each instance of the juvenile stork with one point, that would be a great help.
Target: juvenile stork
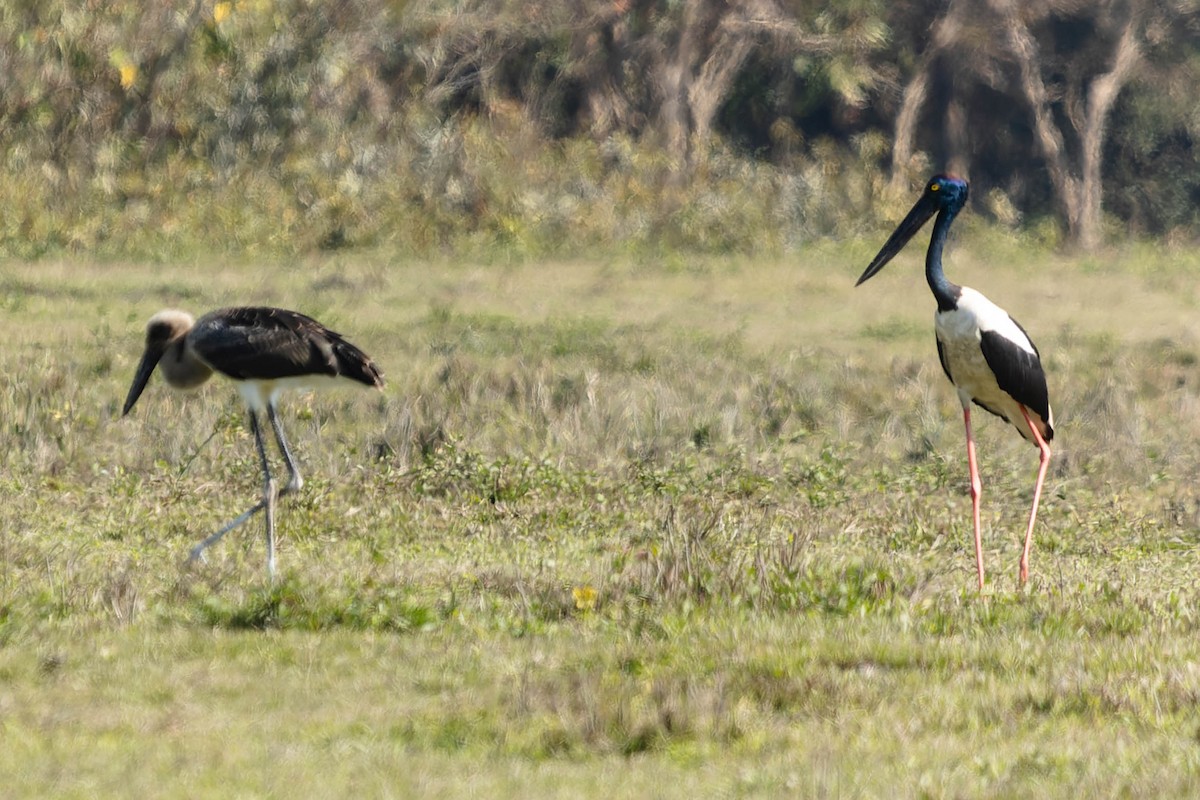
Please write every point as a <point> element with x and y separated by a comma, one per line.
<point>987,356</point>
<point>264,351</point>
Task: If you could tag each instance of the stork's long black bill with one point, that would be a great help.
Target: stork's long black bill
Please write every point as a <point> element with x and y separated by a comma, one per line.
<point>907,228</point>
<point>145,369</point>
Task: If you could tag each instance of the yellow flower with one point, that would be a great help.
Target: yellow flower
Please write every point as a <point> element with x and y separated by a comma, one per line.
<point>221,11</point>
<point>585,597</point>
<point>129,73</point>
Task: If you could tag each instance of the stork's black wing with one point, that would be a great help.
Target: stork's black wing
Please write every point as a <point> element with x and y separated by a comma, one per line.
<point>942,359</point>
<point>1018,372</point>
<point>269,343</point>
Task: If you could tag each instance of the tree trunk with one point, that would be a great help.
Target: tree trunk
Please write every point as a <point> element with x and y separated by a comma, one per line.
<point>711,86</point>
<point>946,32</point>
<point>599,54</point>
<point>1101,96</point>
<point>692,78</point>
<point>1079,194</point>
<point>673,82</point>
<point>1048,136</point>
<point>957,137</point>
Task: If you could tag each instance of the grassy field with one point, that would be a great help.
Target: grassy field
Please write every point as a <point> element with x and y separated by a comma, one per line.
<point>669,529</point>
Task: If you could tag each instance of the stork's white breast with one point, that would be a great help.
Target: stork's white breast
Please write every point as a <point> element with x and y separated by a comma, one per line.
<point>959,332</point>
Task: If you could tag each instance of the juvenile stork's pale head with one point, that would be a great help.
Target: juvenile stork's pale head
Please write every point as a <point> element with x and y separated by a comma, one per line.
<point>165,330</point>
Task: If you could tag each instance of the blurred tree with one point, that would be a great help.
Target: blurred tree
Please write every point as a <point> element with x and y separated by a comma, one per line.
<point>947,35</point>
<point>1150,156</point>
<point>701,46</point>
<point>1091,84</point>
<point>643,66</point>
<point>1065,61</point>
<point>521,119</point>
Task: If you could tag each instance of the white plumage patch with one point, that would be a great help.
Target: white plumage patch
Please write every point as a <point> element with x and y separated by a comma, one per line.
<point>959,332</point>
<point>257,394</point>
<point>978,312</point>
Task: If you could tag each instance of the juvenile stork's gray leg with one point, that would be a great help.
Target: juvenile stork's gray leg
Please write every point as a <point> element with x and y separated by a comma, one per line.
<point>295,482</point>
<point>198,551</point>
<point>270,492</point>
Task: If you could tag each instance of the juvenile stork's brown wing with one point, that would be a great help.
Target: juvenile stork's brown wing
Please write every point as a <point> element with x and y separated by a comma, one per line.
<point>264,343</point>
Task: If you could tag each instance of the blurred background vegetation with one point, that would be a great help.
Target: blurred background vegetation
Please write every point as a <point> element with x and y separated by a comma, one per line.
<point>495,128</point>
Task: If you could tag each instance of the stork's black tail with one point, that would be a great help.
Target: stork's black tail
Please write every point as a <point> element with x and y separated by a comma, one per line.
<point>354,364</point>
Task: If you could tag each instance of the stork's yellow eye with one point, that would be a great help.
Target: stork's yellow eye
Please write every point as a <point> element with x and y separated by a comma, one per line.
<point>933,187</point>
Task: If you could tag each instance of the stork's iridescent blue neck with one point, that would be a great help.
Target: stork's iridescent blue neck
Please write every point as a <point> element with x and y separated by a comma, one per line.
<point>947,293</point>
<point>944,196</point>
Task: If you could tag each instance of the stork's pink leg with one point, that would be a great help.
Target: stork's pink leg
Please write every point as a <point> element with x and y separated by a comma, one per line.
<point>1037,492</point>
<point>976,492</point>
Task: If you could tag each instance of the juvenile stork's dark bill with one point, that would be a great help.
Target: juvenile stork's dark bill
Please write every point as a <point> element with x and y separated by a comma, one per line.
<point>986,355</point>
<point>264,351</point>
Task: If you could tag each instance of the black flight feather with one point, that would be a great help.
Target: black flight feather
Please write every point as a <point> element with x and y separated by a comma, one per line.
<point>1019,374</point>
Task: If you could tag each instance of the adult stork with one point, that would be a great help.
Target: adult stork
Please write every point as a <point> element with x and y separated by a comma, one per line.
<point>986,355</point>
<point>264,351</point>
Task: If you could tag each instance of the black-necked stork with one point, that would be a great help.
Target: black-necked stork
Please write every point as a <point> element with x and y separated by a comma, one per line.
<point>264,351</point>
<point>988,357</point>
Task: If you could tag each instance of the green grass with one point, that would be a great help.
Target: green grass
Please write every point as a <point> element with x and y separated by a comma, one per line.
<point>614,529</point>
